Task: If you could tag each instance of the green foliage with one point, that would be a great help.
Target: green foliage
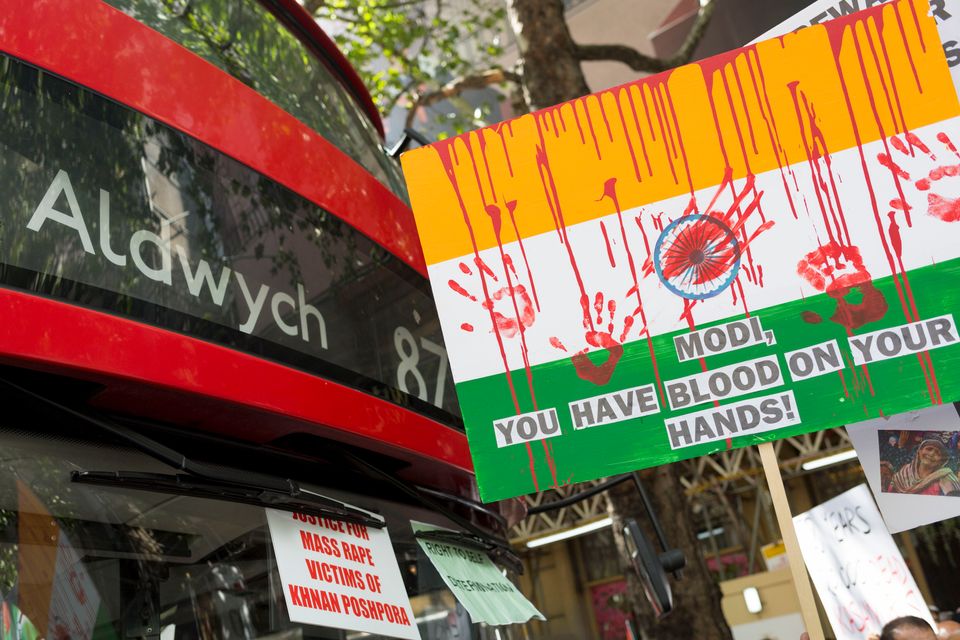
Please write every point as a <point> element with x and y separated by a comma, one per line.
<point>403,49</point>
<point>248,42</point>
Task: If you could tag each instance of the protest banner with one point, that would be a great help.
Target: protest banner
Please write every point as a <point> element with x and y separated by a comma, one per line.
<point>55,592</point>
<point>341,575</point>
<point>860,575</point>
<point>754,246</point>
<point>911,462</point>
<point>483,590</point>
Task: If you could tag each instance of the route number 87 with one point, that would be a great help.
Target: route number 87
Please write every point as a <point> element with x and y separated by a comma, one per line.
<point>409,354</point>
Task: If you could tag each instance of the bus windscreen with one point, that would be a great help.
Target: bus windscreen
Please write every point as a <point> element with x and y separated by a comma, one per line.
<point>110,209</point>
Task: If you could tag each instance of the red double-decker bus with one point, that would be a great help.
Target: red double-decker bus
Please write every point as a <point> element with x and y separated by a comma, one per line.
<point>214,301</point>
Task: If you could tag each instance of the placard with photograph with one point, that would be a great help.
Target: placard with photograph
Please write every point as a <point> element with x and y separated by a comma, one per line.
<point>911,461</point>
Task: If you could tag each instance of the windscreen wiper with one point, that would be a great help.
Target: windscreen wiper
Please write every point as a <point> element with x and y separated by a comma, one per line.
<point>470,504</point>
<point>207,481</point>
<point>300,500</point>
<point>498,551</point>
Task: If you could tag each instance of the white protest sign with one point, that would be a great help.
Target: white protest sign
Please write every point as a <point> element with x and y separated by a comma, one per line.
<point>910,491</point>
<point>74,599</point>
<point>944,12</point>
<point>70,606</point>
<point>859,573</point>
<point>341,575</point>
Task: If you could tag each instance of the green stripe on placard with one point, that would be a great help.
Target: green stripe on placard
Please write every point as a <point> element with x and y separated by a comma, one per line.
<point>898,385</point>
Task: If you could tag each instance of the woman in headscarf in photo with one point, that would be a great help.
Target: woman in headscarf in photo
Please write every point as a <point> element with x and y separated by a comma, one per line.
<point>927,474</point>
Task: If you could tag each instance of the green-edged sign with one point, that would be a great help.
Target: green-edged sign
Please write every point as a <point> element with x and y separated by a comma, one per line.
<point>758,245</point>
<point>486,594</point>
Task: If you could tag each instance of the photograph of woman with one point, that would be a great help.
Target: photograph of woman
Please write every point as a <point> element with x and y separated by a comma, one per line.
<point>919,463</point>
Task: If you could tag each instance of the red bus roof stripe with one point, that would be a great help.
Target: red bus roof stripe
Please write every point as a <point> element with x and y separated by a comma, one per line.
<point>99,47</point>
<point>49,333</point>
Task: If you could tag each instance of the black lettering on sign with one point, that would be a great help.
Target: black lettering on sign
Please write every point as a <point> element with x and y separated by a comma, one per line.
<point>722,338</point>
<point>733,380</point>
<point>526,427</point>
<point>844,7</point>
<point>609,408</point>
<point>952,50</point>
<point>939,10</point>
<point>904,340</point>
<point>747,416</point>
<point>815,360</point>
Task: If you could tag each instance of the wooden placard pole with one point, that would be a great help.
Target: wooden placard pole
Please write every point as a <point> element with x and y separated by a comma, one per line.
<point>808,606</point>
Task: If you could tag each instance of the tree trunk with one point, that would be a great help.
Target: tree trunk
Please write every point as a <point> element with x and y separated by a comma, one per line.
<point>696,597</point>
<point>550,68</point>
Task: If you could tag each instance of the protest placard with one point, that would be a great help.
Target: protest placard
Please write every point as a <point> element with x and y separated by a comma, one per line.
<point>911,462</point>
<point>754,246</point>
<point>483,590</point>
<point>55,590</point>
<point>860,575</point>
<point>341,575</point>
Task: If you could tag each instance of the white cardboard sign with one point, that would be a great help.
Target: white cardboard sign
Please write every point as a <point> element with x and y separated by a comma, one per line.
<point>859,573</point>
<point>74,599</point>
<point>946,13</point>
<point>888,448</point>
<point>341,575</point>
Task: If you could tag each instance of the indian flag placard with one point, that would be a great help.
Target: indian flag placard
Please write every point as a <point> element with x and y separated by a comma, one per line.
<point>761,244</point>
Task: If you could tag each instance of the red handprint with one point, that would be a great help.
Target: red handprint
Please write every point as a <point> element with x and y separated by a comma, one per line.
<point>838,271</point>
<point>929,180</point>
<point>509,325</point>
<point>600,336</point>
<point>511,306</point>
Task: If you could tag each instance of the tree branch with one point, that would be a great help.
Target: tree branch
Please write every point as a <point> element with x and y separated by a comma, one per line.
<point>388,107</point>
<point>459,85</point>
<point>399,4</point>
<point>642,62</point>
<point>312,6</point>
